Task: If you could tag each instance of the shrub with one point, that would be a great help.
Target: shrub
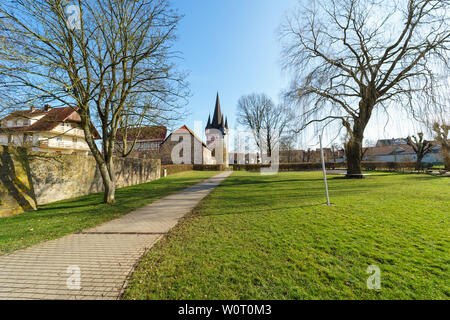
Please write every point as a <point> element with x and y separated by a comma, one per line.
<point>390,166</point>
<point>176,168</point>
<point>209,167</point>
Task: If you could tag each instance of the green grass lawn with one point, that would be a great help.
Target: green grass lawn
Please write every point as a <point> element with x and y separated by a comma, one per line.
<point>271,237</point>
<point>61,218</point>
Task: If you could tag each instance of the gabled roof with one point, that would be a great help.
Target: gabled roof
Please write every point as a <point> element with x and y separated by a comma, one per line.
<point>26,114</point>
<point>157,133</point>
<point>51,118</point>
<point>185,130</point>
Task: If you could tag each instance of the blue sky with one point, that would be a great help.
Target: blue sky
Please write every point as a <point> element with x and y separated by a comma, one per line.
<point>231,46</point>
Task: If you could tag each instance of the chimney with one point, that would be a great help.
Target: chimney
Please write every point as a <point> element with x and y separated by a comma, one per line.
<point>32,109</point>
<point>47,107</point>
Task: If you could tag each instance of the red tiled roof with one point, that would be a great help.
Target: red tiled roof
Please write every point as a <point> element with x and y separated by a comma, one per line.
<point>157,133</point>
<point>51,119</point>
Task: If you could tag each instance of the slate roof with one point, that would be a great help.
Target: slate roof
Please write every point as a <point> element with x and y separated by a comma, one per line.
<point>218,122</point>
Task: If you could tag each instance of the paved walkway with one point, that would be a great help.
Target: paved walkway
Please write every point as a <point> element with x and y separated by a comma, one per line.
<point>103,257</point>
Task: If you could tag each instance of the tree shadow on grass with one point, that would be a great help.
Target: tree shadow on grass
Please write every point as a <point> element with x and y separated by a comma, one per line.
<point>124,197</point>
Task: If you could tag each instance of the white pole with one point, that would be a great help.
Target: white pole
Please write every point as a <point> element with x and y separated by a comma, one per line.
<point>324,171</point>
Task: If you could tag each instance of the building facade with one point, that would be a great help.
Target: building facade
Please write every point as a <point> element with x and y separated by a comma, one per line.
<point>143,142</point>
<point>401,153</point>
<point>52,130</point>
<point>183,146</point>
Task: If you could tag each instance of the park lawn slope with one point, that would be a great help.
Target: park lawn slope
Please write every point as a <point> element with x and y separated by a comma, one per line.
<point>271,237</point>
<point>64,217</point>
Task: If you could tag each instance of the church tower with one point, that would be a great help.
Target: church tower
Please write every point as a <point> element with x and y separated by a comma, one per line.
<point>218,129</point>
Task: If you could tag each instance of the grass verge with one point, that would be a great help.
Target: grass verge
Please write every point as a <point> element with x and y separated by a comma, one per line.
<point>64,217</point>
<point>271,237</point>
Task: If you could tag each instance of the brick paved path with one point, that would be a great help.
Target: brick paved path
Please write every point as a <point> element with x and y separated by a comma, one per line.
<point>104,256</point>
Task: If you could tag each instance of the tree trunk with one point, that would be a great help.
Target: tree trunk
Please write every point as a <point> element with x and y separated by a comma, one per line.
<point>419,163</point>
<point>354,147</point>
<point>109,185</point>
<point>446,156</point>
<point>110,192</point>
<point>353,152</point>
<point>104,162</point>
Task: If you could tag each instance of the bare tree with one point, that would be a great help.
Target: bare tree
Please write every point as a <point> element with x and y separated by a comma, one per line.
<point>351,58</point>
<point>106,58</point>
<point>421,147</point>
<point>266,121</point>
<point>335,151</point>
<point>287,144</point>
<point>441,131</point>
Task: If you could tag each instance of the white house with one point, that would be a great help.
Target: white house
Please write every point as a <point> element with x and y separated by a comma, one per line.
<point>54,130</point>
<point>400,153</point>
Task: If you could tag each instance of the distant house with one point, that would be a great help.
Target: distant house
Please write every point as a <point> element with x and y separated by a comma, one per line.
<point>244,158</point>
<point>148,141</point>
<point>196,143</point>
<point>311,156</point>
<point>391,142</point>
<point>400,153</point>
<point>54,130</point>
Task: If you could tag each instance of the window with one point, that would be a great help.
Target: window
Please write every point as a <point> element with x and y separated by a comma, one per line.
<point>74,140</point>
<point>28,138</point>
<point>59,139</point>
<point>154,146</point>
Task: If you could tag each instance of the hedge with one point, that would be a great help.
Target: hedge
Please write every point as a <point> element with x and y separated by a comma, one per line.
<point>176,168</point>
<point>209,167</point>
<point>389,166</point>
<point>301,166</point>
<point>307,166</point>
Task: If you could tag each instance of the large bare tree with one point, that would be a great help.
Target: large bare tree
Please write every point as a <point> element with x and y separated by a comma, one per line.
<point>266,121</point>
<point>106,58</point>
<point>352,58</point>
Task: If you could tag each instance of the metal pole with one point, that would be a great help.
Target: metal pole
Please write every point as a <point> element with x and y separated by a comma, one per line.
<point>324,171</point>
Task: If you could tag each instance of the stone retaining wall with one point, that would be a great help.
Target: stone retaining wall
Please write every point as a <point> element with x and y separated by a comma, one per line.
<point>28,179</point>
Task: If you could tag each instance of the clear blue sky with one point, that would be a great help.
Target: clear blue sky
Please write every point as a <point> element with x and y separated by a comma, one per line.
<point>231,46</point>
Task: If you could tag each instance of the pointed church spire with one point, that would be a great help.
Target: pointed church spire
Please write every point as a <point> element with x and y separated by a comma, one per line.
<point>209,122</point>
<point>226,123</point>
<point>217,119</point>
